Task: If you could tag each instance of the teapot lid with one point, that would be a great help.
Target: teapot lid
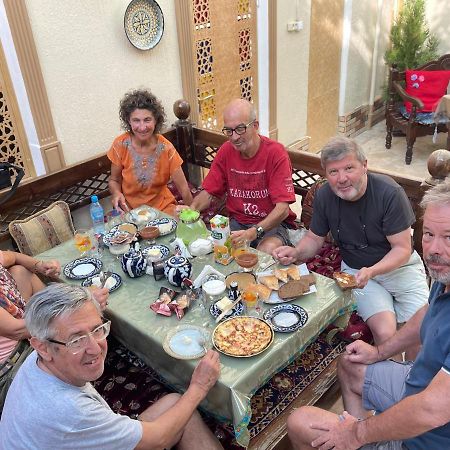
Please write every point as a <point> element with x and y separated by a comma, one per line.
<point>189,215</point>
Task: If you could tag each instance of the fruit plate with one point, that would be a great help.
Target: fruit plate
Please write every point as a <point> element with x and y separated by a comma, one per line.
<point>274,298</point>
<point>165,225</point>
<point>242,336</point>
<point>185,342</point>
<point>82,268</point>
<point>113,282</point>
<point>286,318</point>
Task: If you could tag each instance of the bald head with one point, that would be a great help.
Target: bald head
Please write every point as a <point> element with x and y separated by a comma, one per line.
<point>240,108</point>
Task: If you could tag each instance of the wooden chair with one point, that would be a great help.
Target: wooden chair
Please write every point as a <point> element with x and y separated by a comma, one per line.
<point>416,124</point>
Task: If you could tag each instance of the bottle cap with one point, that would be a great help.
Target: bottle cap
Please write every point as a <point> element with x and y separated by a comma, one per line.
<point>94,199</point>
<point>189,215</point>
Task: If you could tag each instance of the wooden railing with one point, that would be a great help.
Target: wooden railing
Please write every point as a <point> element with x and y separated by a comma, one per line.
<point>198,147</point>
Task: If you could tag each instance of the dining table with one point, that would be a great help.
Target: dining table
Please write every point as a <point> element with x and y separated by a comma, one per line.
<point>144,332</point>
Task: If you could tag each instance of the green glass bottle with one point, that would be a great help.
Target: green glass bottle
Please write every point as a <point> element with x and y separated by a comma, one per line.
<point>191,226</point>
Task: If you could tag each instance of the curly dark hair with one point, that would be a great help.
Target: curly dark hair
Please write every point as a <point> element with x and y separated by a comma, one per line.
<point>141,99</point>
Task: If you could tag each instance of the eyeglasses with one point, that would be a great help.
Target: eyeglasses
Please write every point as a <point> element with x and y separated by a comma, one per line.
<point>347,246</point>
<point>78,344</point>
<point>239,130</point>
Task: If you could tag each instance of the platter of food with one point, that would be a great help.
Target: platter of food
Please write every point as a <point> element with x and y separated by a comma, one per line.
<point>141,215</point>
<point>217,308</point>
<point>165,225</point>
<point>286,318</point>
<point>113,282</point>
<point>120,234</point>
<point>243,279</point>
<point>242,336</point>
<point>185,342</point>
<point>285,284</point>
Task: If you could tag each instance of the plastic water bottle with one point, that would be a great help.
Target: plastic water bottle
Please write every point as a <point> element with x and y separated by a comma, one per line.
<point>97,216</point>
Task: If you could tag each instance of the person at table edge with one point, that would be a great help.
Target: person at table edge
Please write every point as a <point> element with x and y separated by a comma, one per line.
<point>370,218</point>
<point>19,280</point>
<point>255,173</point>
<point>52,403</point>
<point>142,160</point>
<point>410,399</point>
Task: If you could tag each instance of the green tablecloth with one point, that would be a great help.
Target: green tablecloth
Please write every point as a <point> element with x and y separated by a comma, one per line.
<point>143,332</point>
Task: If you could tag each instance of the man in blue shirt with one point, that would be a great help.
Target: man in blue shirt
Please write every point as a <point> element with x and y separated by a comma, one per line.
<point>410,399</point>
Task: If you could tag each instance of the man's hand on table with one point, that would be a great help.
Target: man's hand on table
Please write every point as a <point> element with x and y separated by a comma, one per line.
<point>101,295</point>
<point>207,372</point>
<point>243,235</point>
<point>286,255</point>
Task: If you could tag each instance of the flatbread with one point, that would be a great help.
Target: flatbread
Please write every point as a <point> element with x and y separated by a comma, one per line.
<point>293,288</point>
<point>281,274</point>
<point>271,281</point>
<point>293,272</point>
<point>243,279</point>
<point>263,291</point>
<point>345,280</point>
<point>242,336</point>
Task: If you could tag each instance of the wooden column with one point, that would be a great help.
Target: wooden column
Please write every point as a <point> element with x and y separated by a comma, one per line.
<point>34,84</point>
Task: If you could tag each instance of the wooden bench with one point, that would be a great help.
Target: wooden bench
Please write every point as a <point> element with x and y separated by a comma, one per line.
<point>198,147</point>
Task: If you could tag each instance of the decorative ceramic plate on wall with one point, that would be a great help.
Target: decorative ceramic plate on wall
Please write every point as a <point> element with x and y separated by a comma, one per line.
<point>144,23</point>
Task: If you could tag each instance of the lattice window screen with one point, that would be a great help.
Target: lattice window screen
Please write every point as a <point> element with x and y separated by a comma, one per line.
<point>13,144</point>
<point>224,49</point>
<point>10,148</point>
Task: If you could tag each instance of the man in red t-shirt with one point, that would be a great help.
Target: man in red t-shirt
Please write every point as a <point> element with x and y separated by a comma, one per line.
<point>255,173</point>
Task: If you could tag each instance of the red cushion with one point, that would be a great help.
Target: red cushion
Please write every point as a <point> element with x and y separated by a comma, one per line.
<point>428,86</point>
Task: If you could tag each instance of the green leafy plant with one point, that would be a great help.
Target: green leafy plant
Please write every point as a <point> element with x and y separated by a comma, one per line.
<point>412,44</point>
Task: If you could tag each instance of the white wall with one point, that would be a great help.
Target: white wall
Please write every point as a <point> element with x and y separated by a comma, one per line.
<point>438,16</point>
<point>292,70</point>
<point>88,64</point>
<point>362,39</point>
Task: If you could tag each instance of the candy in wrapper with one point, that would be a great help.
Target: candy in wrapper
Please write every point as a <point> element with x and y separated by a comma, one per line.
<point>162,305</point>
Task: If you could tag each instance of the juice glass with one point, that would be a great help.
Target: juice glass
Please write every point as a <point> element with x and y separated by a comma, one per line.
<point>251,302</point>
<point>83,242</point>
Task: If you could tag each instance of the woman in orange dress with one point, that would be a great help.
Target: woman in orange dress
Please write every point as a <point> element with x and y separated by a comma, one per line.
<point>142,160</point>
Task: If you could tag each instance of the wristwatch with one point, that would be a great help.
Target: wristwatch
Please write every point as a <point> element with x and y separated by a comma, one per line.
<point>259,231</point>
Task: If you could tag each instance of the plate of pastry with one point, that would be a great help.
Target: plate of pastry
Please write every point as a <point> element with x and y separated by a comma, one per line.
<point>285,284</point>
<point>242,337</point>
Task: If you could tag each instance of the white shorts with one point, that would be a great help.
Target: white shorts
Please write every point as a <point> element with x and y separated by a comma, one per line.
<point>402,291</point>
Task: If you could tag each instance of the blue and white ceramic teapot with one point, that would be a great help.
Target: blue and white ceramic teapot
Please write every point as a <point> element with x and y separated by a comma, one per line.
<point>133,262</point>
<point>176,269</point>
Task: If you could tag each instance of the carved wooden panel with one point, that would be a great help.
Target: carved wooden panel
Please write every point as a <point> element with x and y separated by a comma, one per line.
<point>225,55</point>
<point>13,144</point>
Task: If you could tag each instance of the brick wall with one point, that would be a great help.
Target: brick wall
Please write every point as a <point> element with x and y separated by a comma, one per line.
<point>356,122</point>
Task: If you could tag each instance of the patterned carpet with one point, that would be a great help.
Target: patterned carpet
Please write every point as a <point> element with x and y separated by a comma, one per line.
<point>129,386</point>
